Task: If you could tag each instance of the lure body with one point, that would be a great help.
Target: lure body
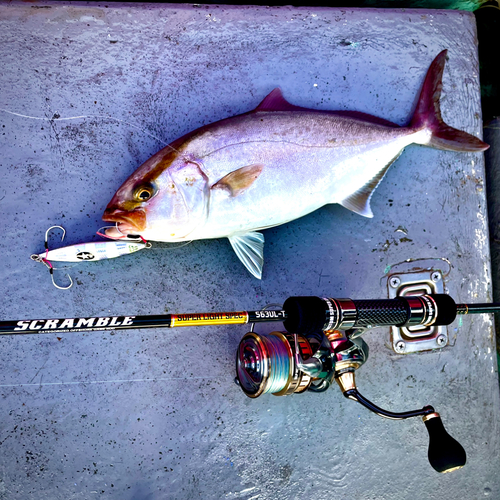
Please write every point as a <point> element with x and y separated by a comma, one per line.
<point>91,251</point>
<point>98,250</point>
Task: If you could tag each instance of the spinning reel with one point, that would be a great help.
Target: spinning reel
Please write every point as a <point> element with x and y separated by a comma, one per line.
<point>284,363</point>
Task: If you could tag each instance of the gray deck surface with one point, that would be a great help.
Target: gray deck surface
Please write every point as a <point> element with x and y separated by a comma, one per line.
<point>154,414</point>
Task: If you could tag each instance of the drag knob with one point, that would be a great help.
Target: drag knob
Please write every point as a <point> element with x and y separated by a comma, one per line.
<point>445,453</point>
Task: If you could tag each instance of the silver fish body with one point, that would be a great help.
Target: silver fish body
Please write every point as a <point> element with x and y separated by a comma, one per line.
<point>267,167</point>
<point>309,159</point>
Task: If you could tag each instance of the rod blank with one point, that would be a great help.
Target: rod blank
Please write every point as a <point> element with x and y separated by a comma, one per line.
<point>357,310</point>
<point>102,323</point>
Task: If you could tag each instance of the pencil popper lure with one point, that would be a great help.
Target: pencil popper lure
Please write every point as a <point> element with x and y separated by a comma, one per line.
<point>92,251</point>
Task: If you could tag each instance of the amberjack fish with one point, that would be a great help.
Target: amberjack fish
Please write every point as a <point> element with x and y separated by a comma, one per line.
<point>240,175</point>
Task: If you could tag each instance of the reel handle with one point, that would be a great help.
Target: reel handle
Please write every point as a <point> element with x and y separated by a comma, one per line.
<point>445,453</point>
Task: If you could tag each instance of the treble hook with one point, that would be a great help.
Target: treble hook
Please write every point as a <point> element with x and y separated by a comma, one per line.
<point>43,260</point>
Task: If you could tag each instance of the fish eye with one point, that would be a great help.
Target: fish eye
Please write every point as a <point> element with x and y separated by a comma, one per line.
<point>144,192</point>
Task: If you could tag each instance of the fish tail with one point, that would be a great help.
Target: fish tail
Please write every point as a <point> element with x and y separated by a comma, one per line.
<point>428,114</point>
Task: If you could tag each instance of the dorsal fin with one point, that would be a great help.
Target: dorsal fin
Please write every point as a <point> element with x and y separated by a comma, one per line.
<point>276,102</point>
<point>359,201</point>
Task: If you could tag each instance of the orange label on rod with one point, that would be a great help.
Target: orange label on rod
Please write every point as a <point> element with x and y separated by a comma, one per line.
<point>201,319</point>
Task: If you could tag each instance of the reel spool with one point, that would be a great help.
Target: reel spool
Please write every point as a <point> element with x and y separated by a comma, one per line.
<point>265,364</point>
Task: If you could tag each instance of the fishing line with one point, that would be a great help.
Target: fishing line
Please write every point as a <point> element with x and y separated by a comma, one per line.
<point>80,117</point>
<point>119,381</point>
<point>391,267</point>
<point>178,246</point>
<point>102,233</point>
<point>169,247</point>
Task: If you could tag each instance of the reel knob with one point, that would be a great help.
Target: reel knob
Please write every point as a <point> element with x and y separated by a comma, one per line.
<point>446,454</point>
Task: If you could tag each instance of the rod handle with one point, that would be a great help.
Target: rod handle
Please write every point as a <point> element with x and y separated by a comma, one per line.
<point>311,314</point>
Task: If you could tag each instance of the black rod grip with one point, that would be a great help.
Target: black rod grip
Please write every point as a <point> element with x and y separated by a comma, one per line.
<point>445,453</point>
<point>304,314</point>
<point>381,312</point>
<point>396,312</point>
<point>446,307</point>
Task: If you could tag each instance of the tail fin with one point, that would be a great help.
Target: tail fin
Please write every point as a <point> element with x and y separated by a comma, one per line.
<point>428,114</point>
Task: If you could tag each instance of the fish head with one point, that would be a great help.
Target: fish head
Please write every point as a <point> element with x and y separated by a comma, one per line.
<point>165,199</point>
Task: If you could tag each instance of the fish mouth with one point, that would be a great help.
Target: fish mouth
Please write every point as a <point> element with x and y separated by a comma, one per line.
<point>133,222</point>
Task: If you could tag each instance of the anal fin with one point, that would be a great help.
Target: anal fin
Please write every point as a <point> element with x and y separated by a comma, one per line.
<point>249,248</point>
<point>359,201</point>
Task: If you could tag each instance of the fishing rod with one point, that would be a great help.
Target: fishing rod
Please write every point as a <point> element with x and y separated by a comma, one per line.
<point>321,344</point>
<point>299,315</point>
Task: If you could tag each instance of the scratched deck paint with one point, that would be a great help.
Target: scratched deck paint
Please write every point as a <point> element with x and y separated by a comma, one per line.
<point>155,413</point>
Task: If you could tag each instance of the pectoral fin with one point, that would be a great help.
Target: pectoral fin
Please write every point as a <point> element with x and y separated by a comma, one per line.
<point>240,180</point>
<point>249,248</point>
<point>359,201</point>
